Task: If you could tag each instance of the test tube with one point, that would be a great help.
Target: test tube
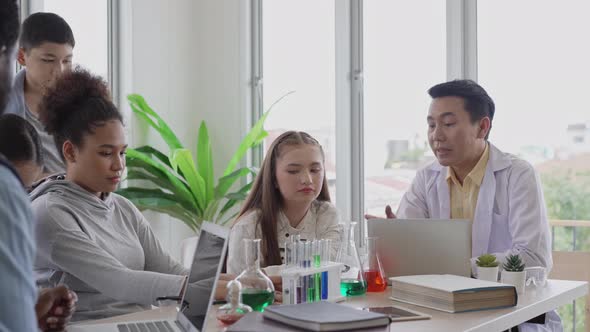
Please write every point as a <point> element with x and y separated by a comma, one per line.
<point>326,251</point>
<point>317,249</point>
<point>302,265</point>
<point>290,262</point>
<point>317,253</point>
<point>325,246</point>
<point>288,254</point>
<point>309,277</point>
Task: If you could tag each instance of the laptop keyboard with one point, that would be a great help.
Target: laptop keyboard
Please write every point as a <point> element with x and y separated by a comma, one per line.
<point>155,326</point>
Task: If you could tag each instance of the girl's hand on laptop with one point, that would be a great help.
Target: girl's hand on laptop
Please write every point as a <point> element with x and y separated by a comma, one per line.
<point>55,307</point>
<point>388,214</point>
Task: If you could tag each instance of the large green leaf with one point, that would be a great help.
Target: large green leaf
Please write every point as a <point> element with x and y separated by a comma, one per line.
<point>205,160</point>
<point>246,144</point>
<point>186,186</point>
<point>222,220</point>
<point>159,155</point>
<point>183,159</point>
<point>155,153</point>
<point>253,138</point>
<point>211,210</point>
<point>234,198</point>
<point>134,173</point>
<point>135,157</point>
<point>141,108</point>
<point>227,181</point>
<point>159,201</point>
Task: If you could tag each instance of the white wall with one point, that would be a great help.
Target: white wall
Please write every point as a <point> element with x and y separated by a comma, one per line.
<point>190,60</point>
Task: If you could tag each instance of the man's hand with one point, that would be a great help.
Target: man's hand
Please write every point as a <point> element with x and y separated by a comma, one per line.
<point>55,307</point>
<point>388,213</point>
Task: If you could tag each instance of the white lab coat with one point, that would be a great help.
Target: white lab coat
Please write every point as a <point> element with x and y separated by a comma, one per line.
<point>510,216</point>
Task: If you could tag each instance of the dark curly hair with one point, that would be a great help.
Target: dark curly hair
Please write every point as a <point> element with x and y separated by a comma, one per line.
<point>77,104</point>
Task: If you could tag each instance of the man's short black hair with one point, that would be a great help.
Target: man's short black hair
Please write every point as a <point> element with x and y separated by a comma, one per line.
<point>477,101</point>
<point>40,28</point>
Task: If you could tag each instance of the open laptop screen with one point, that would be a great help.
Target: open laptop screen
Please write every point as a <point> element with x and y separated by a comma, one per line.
<point>206,262</point>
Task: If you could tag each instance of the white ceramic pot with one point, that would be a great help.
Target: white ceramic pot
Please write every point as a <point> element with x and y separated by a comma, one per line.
<point>515,278</point>
<point>487,273</point>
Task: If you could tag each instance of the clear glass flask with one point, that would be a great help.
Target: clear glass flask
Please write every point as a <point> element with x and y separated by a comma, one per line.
<point>257,290</point>
<point>234,309</point>
<point>373,270</point>
<point>352,280</point>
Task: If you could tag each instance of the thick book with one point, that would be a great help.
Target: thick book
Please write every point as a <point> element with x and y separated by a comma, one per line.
<point>324,316</point>
<point>452,293</point>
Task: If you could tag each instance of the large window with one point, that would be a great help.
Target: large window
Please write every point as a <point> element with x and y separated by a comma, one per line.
<point>89,22</point>
<point>399,67</point>
<point>298,55</point>
<point>538,73</point>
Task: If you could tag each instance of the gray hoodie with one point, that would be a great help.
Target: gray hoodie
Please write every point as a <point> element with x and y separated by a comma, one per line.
<point>103,249</point>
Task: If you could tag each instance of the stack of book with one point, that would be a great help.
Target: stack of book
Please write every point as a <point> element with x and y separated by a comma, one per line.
<point>452,293</point>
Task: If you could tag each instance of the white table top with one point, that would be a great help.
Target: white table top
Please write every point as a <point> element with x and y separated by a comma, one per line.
<point>534,302</point>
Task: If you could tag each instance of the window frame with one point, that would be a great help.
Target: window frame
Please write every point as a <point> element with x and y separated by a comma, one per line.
<point>28,7</point>
<point>461,44</point>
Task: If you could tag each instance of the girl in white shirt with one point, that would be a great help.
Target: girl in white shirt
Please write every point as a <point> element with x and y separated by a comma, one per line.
<point>289,197</point>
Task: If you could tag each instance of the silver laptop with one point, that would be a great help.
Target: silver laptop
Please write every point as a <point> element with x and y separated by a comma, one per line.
<point>423,246</point>
<point>205,269</point>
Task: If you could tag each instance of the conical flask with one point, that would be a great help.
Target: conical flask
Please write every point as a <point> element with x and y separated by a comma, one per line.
<point>352,281</point>
<point>257,290</point>
<point>373,270</point>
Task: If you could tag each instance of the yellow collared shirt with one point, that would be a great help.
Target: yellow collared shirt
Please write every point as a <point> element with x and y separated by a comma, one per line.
<point>464,197</point>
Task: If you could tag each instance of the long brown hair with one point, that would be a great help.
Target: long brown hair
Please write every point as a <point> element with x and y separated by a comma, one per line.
<point>266,197</point>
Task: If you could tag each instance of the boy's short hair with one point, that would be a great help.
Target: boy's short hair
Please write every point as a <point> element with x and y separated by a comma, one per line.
<point>39,28</point>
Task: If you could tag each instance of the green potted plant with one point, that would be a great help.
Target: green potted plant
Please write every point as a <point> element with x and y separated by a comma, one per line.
<point>487,267</point>
<point>180,185</point>
<point>513,273</point>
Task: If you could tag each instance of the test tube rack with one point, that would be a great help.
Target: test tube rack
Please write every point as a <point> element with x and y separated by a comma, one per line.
<point>292,276</point>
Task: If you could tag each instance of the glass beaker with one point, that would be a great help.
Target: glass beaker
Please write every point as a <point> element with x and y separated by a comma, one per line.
<point>352,280</point>
<point>257,290</point>
<point>373,269</point>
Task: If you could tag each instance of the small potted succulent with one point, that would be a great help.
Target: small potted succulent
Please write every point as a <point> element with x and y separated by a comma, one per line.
<point>487,267</point>
<point>513,273</point>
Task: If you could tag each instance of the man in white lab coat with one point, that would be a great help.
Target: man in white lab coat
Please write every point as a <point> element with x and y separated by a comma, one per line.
<point>472,179</point>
